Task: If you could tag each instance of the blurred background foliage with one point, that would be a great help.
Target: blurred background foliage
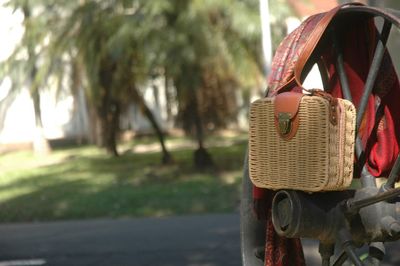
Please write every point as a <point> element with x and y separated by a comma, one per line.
<point>207,52</point>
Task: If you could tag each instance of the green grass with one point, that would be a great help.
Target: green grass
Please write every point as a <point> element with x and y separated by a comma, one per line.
<point>83,182</point>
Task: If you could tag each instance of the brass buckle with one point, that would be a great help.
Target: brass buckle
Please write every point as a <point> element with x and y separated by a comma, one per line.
<point>285,124</point>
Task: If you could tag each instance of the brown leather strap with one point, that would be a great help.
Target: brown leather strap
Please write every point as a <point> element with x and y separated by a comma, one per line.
<point>315,36</point>
<point>312,43</point>
<point>317,33</point>
<point>323,24</point>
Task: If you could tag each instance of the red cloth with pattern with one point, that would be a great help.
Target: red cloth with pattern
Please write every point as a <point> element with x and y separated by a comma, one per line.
<point>382,145</point>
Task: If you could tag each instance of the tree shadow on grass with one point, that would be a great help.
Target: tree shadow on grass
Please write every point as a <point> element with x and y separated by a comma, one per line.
<point>132,185</point>
<point>78,200</point>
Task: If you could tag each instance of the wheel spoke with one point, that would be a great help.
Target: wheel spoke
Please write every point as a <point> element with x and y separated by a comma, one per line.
<point>373,71</point>
<point>341,259</point>
<point>344,82</point>
<point>324,74</point>
<point>367,180</point>
<point>354,206</point>
<point>350,251</point>
<point>326,251</point>
<point>394,173</point>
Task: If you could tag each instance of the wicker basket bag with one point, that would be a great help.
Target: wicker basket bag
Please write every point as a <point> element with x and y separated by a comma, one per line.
<point>302,142</point>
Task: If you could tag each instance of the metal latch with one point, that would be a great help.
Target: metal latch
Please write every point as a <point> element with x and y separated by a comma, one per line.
<point>285,123</point>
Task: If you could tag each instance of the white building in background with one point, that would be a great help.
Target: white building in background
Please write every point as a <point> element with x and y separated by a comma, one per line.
<point>61,120</point>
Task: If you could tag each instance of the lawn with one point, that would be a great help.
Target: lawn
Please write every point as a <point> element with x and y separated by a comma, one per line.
<point>84,182</point>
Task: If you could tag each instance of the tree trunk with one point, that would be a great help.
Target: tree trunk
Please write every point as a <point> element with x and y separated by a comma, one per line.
<point>41,145</point>
<point>109,108</point>
<point>202,159</point>
<point>192,122</point>
<point>110,127</point>
<point>166,158</point>
<point>94,134</point>
<point>109,119</point>
<point>79,103</point>
<point>168,99</point>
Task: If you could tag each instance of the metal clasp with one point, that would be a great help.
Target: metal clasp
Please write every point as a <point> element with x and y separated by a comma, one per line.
<point>285,123</point>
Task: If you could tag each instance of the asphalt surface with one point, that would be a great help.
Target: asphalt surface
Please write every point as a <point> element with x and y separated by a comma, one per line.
<point>209,240</point>
<point>193,240</point>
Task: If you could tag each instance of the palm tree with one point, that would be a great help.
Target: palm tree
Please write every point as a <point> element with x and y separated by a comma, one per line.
<point>210,49</point>
<point>107,41</point>
<point>206,50</point>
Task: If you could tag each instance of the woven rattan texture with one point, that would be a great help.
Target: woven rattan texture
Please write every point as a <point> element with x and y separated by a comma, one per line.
<point>318,158</point>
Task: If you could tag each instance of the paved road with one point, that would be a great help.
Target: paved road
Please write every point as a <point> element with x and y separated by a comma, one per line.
<point>194,240</point>
<point>209,240</point>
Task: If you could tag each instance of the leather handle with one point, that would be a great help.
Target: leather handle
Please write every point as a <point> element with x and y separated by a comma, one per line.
<point>323,24</point>
<point>314,39</point>
<point>310,45</point>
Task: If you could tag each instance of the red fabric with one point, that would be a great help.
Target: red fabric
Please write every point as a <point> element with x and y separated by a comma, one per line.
<point>282,251</point>
<point>261,202</point>
<point>382,145</point>
<point>258,193</point>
